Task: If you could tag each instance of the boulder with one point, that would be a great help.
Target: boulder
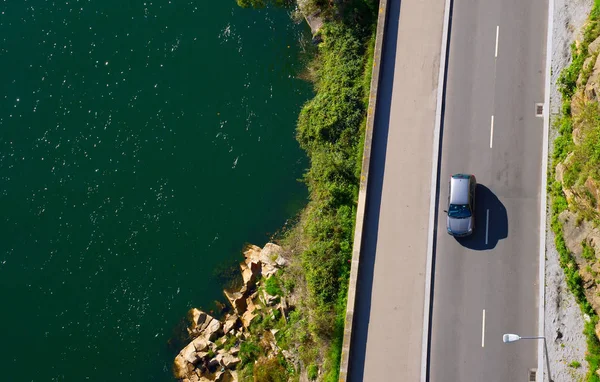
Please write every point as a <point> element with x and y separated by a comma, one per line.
<point>281,261</point>
<point>212,363</point>
<point>592,87</point>
<point>573,233</point>
<point>252,253</point>
<point>212,331</point>
<point>231,322</point>
<point>225,376</point>
<point>267,299</point>
<point>200,344</point>
<point>206,323</point>
<point>594,189</point>
<point>594,46</point>
<point>197,317</point>
<point>237,300</point>
<point>268,258</point>
<point>247,318</point>
<point>189,353</point>
<point>577,103</point>
<point>180,367</point>
<point>249,273</point>
<point>201,355</point>
<point>227,360</point>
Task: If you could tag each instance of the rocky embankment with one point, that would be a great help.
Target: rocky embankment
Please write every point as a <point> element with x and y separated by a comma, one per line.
<point>579,180</point>
<point>213,354</point>
<point>578,176</point>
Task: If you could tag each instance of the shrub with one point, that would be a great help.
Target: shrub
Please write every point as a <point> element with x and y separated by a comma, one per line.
<point>312,371</point>
<point>270,370</point>
<point>272,286</point>
<point>249,352</point>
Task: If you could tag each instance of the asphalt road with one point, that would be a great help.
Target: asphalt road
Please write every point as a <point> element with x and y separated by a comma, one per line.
<point>486,285</point>
<point>388,317</point>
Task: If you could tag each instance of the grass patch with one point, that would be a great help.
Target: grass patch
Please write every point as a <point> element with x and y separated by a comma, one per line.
<point>575,364</point>
<point>588,252</point>
<point>313,372</point>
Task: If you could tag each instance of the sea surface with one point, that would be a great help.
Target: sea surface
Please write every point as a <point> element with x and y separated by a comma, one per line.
<point>142,143</point>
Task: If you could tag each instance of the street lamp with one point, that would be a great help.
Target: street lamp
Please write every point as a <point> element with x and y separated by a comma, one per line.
<point>508,338</point>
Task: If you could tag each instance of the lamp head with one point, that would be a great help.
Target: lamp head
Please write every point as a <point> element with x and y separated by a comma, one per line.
<point>507,338</point>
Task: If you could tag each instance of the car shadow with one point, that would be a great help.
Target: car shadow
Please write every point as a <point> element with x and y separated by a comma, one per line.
<point>491,221</point>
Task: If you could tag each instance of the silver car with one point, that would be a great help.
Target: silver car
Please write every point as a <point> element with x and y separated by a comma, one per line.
<point>461,205</point>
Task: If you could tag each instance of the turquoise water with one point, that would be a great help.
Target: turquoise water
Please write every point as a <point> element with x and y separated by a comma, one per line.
<point>142,143</point>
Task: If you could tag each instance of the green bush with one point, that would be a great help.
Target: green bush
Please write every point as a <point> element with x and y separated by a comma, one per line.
<point>249,352</point>
<point>312,371</point>
<point>272,286</point>
<point>270,370</point>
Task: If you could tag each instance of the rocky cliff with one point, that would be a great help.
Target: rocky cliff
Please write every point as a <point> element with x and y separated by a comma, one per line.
<point>215,347</point>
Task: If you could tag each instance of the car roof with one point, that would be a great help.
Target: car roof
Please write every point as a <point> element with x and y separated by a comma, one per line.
<point>459,189</point>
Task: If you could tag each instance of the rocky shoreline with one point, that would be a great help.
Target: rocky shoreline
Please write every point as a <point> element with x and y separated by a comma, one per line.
<point>213,354</point>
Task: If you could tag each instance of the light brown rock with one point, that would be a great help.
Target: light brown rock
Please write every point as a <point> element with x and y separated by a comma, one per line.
<point>594,189</point>
<point>592,87</point>
<point>237,300</point>
<point>230,323</point>
<point>197,317</point>
<point>247,318</point>
<point>250,305</point>
<point>594,46</point>
<point>267,299</point>
<point>180,366</point>
<point>200,344</point>
<point>574,233</point>
<point>224,376</point>
<point>213,330</point>
<point>268,257</point>
<point>252,253</point>
<point>227,360</point>
<point>189,353</point>
<point>247,275</point>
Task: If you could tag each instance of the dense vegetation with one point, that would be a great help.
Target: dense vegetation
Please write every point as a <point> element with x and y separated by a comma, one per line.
<point>331,131</point>
<point>584,163</point>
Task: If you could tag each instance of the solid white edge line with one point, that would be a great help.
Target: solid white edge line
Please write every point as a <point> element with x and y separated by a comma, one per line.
<point>483,330</point>
<point>497,32</point>
<point>492,132</point>
<point>543,196</point>
<point>434,171</point>
<point>487,225</point>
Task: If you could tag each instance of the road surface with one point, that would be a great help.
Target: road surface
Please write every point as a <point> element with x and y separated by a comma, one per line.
<point>388,316</point>
<point>486,285</point>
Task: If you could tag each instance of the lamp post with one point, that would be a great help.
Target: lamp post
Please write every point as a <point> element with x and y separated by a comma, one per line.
<point>508,338</point>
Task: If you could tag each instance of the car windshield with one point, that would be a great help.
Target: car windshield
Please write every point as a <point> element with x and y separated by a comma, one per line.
<point>459,211</point>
